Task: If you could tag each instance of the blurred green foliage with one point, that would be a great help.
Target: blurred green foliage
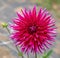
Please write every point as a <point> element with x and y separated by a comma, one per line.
<point>47,3</point>
<point>20,54</point>
<point>48,54</point>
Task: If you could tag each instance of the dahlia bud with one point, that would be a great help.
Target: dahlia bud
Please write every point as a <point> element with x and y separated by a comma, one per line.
<point>4,25</point>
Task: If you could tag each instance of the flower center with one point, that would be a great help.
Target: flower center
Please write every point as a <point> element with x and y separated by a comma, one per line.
<point>32,29</point>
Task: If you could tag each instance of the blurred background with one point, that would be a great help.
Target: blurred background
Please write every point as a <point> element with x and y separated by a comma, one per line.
<point>8,10</point>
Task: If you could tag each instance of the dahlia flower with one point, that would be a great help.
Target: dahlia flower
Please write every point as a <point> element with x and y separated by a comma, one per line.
<point>33,31</point>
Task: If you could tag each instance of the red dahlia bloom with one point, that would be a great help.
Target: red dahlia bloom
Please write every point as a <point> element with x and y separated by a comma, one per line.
<point>34,32</point>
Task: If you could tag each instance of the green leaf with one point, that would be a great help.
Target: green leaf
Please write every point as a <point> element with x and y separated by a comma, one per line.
<point>20,54</point>
<point>47,55</point>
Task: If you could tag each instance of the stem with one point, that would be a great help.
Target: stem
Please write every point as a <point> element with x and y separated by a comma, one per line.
<point>18,51</point>
<point>8,30</point>
<point>15,46</point>
<point>35,55</point>
<point>22,56</point>
<point>27,55</point>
